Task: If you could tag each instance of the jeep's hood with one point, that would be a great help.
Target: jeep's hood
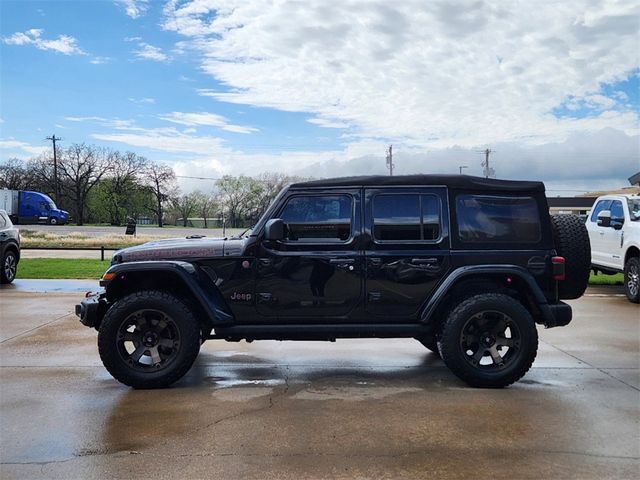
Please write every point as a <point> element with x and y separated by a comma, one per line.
<point>180,248</point>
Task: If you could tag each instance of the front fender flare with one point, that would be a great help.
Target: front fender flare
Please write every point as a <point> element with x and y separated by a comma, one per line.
<point>206,294</point>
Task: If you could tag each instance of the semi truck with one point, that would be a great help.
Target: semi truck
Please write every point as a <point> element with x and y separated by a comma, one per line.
<point>24,207</point>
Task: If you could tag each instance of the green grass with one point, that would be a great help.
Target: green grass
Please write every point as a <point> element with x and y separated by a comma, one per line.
<point>61,268</point>
<point>602,279</point>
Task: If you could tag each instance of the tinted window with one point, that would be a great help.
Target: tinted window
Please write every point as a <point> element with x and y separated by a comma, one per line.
<point>406,217</point>
<point>318,217</point>
<point>617,214</point>
<point>3,222</point>
<point>497,219</point>
<point>600,206</point>
<point>396,217</point>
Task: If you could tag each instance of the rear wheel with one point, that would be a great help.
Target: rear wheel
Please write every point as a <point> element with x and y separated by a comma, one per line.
<point>148,339</point>
<point>489,340</point>
<point>632,279</point>
<point>9,267</point>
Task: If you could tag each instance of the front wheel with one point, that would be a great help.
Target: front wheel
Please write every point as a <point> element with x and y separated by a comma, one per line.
<point>489,340</point>
<point>632,279</point>
<point>53,221</point>
<point>149,339</point>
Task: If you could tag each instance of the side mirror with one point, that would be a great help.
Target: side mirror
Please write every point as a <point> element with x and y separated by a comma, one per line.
<point>604,218</point>
<point>275,229</point>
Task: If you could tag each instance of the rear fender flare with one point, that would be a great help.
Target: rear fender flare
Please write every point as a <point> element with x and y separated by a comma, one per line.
<point>470,271</point>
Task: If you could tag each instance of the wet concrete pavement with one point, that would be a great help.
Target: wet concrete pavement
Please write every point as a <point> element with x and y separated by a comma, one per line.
<point>350,409</point>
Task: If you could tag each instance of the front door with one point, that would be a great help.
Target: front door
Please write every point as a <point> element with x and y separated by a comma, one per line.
<point>315,273</point>
<point>407,252</point>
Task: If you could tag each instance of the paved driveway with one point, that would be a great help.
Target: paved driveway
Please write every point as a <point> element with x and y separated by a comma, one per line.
<point>350,409</point>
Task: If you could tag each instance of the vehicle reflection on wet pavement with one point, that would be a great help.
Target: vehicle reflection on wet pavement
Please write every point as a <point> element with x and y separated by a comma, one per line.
<point>354,408</point>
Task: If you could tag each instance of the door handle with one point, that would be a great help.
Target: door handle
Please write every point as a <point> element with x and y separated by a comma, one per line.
<point>424,261</point>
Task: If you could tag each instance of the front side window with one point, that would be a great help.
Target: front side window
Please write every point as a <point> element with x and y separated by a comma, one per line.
<point>493,219</point>
<point>320,218</point>
<point>600,206</point>
<point>3,222</point>
<point>406,217</point>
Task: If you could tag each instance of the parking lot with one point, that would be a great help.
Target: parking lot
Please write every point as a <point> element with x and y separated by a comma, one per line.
<point>350,409</point>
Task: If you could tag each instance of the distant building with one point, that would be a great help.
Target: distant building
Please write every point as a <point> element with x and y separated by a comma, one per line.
<point>635,180</point>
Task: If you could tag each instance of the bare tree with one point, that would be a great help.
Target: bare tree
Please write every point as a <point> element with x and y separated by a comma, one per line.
<point>161,180</point>
<point>238,197</point>
<point>15,175</point>
<point>123,175</point>
<point>185,205</point>
<point>205,204</point>
<point>80,168</point>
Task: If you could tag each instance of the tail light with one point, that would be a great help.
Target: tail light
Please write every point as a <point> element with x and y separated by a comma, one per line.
<point>558,268</point>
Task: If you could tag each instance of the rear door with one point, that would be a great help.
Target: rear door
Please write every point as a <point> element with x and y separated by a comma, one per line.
<point>315,274</point>
<point>407,251</point>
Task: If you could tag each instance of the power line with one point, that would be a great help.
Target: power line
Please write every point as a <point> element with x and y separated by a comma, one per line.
<point>55,139</point>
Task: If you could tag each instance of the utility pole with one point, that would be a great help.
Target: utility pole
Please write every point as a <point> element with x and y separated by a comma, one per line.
<point>55,139</point>
<point>390,160</point>
<point>461,167</point>
<point>488,171</point>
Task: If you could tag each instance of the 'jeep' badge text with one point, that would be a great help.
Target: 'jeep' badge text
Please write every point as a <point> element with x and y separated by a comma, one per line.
<point>241,297</point>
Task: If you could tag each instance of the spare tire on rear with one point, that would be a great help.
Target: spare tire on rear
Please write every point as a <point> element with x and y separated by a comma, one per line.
<point>572,242</point>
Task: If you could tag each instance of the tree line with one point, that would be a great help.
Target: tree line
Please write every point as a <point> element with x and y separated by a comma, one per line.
<point>103,185</point>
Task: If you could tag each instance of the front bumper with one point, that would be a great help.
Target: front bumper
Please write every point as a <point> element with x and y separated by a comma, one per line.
<point>92,309</point>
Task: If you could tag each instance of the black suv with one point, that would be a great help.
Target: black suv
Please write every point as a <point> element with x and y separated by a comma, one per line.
<point>465,265</point>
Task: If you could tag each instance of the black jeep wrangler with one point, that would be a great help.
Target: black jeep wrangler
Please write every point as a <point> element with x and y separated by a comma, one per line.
<point>465,265</point>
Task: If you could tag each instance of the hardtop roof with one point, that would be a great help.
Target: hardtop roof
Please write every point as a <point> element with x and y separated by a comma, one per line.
<point>463,182</point>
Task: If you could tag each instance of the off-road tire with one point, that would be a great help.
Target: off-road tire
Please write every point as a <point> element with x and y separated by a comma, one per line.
<point>8,270</point>
<point>631,272</point>
<point>184,320</point>
<point>572,242</point>
<point>457,359</point>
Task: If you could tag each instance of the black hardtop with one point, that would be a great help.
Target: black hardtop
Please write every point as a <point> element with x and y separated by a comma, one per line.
<point>463,182</point>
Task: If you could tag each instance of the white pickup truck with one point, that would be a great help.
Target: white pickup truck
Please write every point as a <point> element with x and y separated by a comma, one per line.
<point>614,231</point>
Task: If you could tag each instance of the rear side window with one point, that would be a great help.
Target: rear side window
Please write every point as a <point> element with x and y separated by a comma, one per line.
<point>320,218</point>
<point>494,219</point>
<point>600,206</point>
<point>406,217</point>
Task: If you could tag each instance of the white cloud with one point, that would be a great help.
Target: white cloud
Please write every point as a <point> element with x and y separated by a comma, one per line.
<point>134,8</point>
<point>143,101</point>
<point>100,60</point>
<point>64,44</point>
<point>207,119</point>
<point>150,52</point>
<point>429,74</point>
<point>18,148</point>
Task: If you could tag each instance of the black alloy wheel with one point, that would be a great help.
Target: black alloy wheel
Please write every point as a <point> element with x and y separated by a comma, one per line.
<point>148,340</point>
<point>489,340</point>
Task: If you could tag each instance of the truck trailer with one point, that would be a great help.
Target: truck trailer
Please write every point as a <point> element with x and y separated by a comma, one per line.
<point>24,207</point>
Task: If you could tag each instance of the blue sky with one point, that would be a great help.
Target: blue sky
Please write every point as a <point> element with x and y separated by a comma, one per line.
<point>215,87</point>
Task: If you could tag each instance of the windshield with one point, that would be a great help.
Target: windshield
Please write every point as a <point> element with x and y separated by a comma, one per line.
<point>634,209</point>
<point>48,200</point>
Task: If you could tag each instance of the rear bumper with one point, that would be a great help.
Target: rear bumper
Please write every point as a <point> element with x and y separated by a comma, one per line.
<point>92,309</point>
<point>558,315</point>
